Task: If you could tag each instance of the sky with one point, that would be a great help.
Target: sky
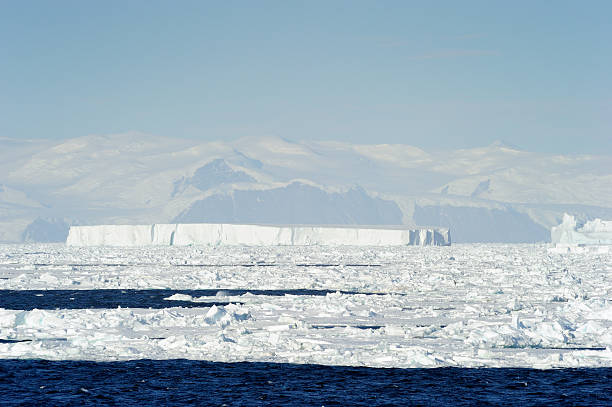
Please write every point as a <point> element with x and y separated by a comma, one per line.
<point>435,74</point>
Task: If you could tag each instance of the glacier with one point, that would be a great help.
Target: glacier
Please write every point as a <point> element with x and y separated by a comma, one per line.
<point>594,235</point>
<point>254,235</point>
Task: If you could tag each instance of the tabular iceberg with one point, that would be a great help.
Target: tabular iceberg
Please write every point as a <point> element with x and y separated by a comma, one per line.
<point>254,235</point>
<point>595,235</point>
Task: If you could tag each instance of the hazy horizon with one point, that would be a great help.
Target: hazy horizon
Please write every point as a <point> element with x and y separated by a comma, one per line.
<point>437,76</point>
<point>198,141</point>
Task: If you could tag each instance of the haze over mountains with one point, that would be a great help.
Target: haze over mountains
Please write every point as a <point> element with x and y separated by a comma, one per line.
<point>496,193</point>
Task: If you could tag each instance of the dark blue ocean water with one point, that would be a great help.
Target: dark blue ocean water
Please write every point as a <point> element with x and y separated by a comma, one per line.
<point>184,382</point>
<point>113,298</point>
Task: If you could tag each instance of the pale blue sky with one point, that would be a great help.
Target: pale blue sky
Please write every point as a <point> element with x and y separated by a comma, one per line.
<point>435,74</point>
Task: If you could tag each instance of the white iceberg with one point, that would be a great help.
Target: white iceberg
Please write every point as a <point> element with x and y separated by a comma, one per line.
<point>593,236</point>
<point>254,235</point>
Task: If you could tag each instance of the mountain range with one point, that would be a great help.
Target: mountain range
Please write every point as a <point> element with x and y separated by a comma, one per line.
<point>497,193</point>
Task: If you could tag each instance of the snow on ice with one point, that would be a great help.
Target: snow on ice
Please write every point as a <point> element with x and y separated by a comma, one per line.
<point>395,306</point>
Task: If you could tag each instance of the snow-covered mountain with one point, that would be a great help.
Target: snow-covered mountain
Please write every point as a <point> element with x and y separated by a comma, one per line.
<point>495,193</point>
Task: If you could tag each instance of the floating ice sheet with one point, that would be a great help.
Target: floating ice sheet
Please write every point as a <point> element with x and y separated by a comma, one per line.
<point>253,235</point>
<point>464,305</point>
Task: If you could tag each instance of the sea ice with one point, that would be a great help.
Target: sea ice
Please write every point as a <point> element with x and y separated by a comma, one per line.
<point>395,306</point>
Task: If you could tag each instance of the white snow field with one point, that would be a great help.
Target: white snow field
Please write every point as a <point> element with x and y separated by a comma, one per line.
<point>595,235</point>
<point>253,235</point>
<point>462,305</point>
<point>496,193</point>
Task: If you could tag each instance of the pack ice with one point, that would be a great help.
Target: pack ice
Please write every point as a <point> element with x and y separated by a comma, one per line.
<point>464,305</point>
<point>253,235</point>
<point>595,235</point>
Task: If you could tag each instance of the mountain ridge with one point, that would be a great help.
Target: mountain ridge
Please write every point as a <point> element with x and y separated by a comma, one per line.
<point>133,178</point>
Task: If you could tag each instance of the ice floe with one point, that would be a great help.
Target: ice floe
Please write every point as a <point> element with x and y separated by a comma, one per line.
<point>403,306</point>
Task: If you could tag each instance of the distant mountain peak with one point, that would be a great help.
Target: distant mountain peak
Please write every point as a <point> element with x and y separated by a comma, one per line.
<point>481,188</point>
<point>218,172</point>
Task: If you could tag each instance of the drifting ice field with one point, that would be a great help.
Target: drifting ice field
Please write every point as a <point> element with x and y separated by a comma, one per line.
<point>464,305</point>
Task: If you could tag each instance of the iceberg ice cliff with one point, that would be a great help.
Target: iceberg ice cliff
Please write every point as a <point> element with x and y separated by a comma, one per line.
<point>568,236</point>
<point>254,235</point>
